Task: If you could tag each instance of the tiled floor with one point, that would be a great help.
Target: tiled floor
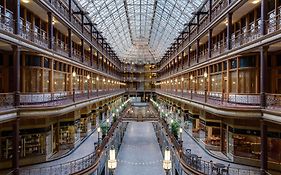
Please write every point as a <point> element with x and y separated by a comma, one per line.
<point>139,153</point>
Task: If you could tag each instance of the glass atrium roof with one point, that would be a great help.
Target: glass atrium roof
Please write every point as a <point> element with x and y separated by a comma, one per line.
<point>140,31</point>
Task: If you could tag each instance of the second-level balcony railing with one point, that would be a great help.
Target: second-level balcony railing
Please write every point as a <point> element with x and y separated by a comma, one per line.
<point>217,98</point>
<point>7,100</point>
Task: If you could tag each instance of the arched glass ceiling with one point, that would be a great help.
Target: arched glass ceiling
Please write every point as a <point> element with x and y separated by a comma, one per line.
<point>140,31</point>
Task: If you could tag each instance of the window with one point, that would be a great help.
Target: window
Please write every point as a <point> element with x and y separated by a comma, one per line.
<point>249,61</point>
<point>233,63</point>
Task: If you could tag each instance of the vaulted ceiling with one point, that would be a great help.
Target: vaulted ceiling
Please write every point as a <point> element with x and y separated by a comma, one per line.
<point>140,31</point>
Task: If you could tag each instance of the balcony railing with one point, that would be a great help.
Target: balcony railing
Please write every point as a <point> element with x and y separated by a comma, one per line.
<point>194,163</point>
<point>7,100</point>
<point>92,163</point>
<point>216,98</point>
<point>61,47</point>
<point>7,22</point>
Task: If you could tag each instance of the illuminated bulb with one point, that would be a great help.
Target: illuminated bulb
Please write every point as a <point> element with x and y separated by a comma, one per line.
<point>25,1</point>
<point>255,1</point>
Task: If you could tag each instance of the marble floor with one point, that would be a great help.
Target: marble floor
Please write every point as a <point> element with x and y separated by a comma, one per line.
<point>140,152</point>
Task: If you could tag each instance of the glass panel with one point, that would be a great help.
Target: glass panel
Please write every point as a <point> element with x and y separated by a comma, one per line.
<point>140,31</point>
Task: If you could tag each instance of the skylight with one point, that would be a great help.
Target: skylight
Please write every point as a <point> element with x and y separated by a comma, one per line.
<point>140,31</point>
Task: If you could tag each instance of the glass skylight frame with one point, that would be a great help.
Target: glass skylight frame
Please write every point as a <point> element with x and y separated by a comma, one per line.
<point>140,31</point>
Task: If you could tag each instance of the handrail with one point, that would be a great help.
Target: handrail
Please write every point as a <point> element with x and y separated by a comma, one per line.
<point>86,164</point>
<point>198,166</point>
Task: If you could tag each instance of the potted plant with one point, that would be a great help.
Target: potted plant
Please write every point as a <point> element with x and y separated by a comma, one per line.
<point>104,129</point>
<point>175,128</point>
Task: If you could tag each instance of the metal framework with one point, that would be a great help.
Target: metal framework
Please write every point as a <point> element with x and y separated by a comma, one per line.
<point>140,31</point>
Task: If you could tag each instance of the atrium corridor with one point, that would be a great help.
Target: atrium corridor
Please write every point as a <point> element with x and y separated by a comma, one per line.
<point>140,152</point>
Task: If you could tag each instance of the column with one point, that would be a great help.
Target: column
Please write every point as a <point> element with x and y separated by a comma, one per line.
<point>69,10</point>
<point>50,30</point>
<point>188,55</point>
<point>264,16</point>
<point>92,55</point>
<point>197,50</point>
<point>210,43</point>
<point>263,59</point>
<point>229,30</point>
<point>82,22</point>
<point>16,161</point>
<point>82,50</point>
<point>210,10</point>
<point>263,128</point>
<point>16,74</point>
<point>16,12</point>
<point>69,43</point>
<point>52,76</point>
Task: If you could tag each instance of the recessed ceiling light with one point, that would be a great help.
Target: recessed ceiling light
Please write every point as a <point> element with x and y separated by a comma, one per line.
<point>25,1</point>
<point>255,1</point>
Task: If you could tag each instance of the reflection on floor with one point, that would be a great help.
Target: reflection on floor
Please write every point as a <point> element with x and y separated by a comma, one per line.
<point>139,153</point>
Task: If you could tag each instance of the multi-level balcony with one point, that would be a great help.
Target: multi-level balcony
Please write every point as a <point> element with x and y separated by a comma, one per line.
<point>239,39</point>
<point>35,34</point>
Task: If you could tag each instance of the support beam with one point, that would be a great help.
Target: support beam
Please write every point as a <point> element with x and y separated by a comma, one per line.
<point>197,50</point>
<point>70,10</point>
<point>69,45</point>
<point>229,30</point>
<point>264,16</point>
<point>263,59</point>
<point>16,73</point>
<point>50,30</point>
<point>210,43</point>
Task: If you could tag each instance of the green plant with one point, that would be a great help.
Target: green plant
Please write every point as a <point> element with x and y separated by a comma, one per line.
<point>175,128</point>
<point>104,129</point>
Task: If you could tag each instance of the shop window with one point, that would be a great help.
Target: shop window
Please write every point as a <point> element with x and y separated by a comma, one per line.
<point>46,63</point>
<point>219,67</point>
<point>249,61</point>
<point>233,63</point>
<point>32,60</point>
<point>224,65</point>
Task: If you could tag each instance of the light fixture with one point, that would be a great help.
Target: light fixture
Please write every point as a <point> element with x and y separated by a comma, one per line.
<point>205,74</point>
<point>112,163</point>
<point>74,74</point>
<point>182,79</point>
<point>103,80</point>
<point>191,77</point>
<point>88,76</point>
<point>172,120</point>
<point>97,78</point>
<point>167,163</point>
<point>107,120</point>
<point>180,130</point>
<point>99,129</point>
<point>25,1</point>
<point>255,1</point>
